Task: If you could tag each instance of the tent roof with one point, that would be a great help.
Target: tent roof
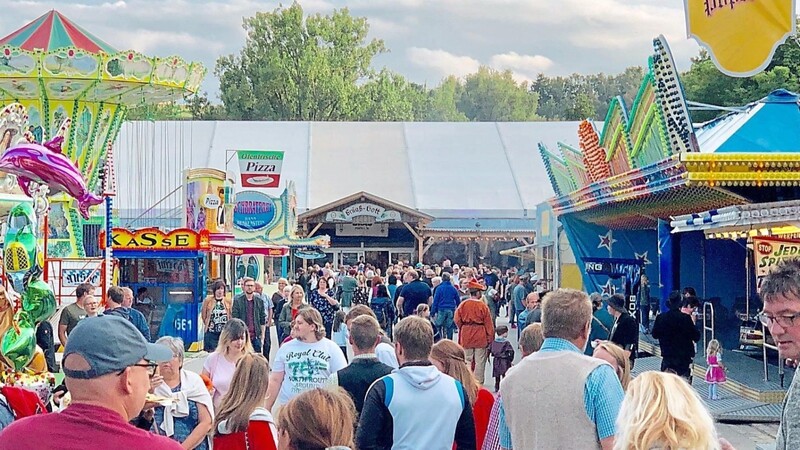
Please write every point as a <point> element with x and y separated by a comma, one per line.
<point>445,170</point>
<point>770,125</point>
<point>52,31</point>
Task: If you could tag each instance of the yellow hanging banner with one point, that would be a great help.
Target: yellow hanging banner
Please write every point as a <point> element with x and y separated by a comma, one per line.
<point>740,35</point>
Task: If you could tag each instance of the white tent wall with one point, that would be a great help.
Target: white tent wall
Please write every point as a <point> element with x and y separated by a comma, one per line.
<point>468,170</point>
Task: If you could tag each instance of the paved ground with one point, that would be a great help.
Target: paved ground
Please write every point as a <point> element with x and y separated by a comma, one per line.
<point>742,436</point>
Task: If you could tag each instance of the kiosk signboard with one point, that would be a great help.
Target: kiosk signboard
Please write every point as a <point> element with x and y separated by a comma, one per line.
<point>155,239</point>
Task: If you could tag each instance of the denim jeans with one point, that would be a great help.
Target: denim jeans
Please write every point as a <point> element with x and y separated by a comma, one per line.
<point>444,321</point>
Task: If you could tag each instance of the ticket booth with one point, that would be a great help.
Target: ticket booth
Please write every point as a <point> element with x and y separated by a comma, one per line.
<point>166,272</point>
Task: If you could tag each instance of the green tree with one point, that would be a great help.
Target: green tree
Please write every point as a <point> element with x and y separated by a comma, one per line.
<point>158,111</point>
<point>493,96</point>
<point>201,108</point>
<point>442,101</point>
<point>568,98</point>
<point>388,98</point>
<point>704,83</point>
<point>294,67</point>
<point>583,107</point>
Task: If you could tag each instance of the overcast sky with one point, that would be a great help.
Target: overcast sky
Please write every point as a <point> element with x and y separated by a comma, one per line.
<point>427,39</point>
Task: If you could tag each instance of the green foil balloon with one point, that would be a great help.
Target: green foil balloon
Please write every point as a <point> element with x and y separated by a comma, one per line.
<point>38,301</point>
<point>18,348</point>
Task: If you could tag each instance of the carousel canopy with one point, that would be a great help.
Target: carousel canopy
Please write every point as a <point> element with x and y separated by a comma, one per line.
<point>770,125</point>
<point>53,31</point>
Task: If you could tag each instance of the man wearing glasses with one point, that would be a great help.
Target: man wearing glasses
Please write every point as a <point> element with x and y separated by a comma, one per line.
<point>108,366</point>
<point>780,292</point>
<point>255,311</point>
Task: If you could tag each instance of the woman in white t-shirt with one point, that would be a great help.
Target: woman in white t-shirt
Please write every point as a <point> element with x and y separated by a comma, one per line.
<point>305,362</point>
<point>234,342</point>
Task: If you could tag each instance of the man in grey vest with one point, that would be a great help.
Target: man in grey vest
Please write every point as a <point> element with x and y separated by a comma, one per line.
<point>577,397</point>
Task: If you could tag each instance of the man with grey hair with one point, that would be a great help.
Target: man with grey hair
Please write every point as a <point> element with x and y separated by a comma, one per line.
<point>780,292</point>
<point>583,392</point>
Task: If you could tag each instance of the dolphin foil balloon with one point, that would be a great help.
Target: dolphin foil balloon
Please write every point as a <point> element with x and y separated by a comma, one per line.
<point>46,165</point>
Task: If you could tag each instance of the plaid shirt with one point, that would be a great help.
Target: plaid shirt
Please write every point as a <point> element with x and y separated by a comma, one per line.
<point>492,439</point>
<point>602,395</point>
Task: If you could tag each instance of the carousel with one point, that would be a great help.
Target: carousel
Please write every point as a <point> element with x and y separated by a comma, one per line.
<point>64,94</point>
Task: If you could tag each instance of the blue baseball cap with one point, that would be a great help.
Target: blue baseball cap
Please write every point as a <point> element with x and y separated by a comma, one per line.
<point>109,344</point>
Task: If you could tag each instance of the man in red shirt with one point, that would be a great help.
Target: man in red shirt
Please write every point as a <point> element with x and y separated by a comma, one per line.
<point>108,366</point>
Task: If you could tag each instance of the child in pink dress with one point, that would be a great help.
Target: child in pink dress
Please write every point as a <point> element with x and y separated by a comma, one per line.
<point>715,374</point>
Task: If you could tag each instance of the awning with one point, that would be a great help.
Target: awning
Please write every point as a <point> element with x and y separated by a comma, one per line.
<point>743,220</point>
<point>238,248</point>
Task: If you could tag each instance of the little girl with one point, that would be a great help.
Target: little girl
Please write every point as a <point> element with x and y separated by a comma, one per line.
<point>715,373</point>
<point>340,333</point>
<point>424,311</point>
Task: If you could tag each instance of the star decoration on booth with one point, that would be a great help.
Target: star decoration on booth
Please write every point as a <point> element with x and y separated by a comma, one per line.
<point>606,240</point>
<point>609,288</point>
<point>643,257</point>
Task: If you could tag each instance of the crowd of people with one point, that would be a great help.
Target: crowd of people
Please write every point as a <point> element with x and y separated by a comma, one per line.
<point>408,385</point>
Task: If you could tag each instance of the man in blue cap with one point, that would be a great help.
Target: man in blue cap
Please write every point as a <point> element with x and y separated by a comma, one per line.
<point>108,366</point>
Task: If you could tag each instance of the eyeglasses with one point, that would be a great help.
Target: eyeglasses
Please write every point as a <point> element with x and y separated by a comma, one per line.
<point>152,367</point>
<point>786,320</point>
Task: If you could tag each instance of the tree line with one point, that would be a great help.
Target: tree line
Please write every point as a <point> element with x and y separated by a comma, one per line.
<point>320,68</point>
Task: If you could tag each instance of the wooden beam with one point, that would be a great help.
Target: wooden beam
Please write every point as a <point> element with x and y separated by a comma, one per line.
<point>412,231</point>
<point>428,245</point>
<point>419,248</point>
<point>315,229</point>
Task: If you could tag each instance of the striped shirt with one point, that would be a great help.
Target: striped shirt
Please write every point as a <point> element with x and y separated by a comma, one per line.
<point>602,395</point>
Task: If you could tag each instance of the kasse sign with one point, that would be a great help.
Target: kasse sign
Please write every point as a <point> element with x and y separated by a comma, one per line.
<point>260,168</point>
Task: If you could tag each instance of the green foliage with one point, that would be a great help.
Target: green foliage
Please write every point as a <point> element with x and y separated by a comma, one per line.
<point>301,68</point>
<point>193,107</point>
<point>388,98</point>
<point>493,96</point>
<point>578,97</point>
<point>582,108</point>
<point>704,83</point>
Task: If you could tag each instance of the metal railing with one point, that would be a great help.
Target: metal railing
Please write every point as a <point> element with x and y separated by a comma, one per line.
<point>781,361</point>
<point>706,328</point>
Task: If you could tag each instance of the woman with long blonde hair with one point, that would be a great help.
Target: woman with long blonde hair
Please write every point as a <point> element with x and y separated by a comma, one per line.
<point>243,421</point>
<point>234,342</point>
<point>615,355</point>
<point>318,419</point>
<point>450,359</point>
<point>662,411</point>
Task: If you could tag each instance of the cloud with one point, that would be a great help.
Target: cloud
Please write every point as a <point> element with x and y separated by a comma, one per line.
<point>430,39</point>
<point>445,63</point>
<point>524,67</point>
<point>382,29</point>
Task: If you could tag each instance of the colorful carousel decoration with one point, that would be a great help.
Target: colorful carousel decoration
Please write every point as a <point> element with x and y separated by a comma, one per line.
<point>624,192</point>
<point>58,71</point>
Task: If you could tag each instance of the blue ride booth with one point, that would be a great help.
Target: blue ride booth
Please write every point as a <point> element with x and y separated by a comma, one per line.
<point>167,273</point>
